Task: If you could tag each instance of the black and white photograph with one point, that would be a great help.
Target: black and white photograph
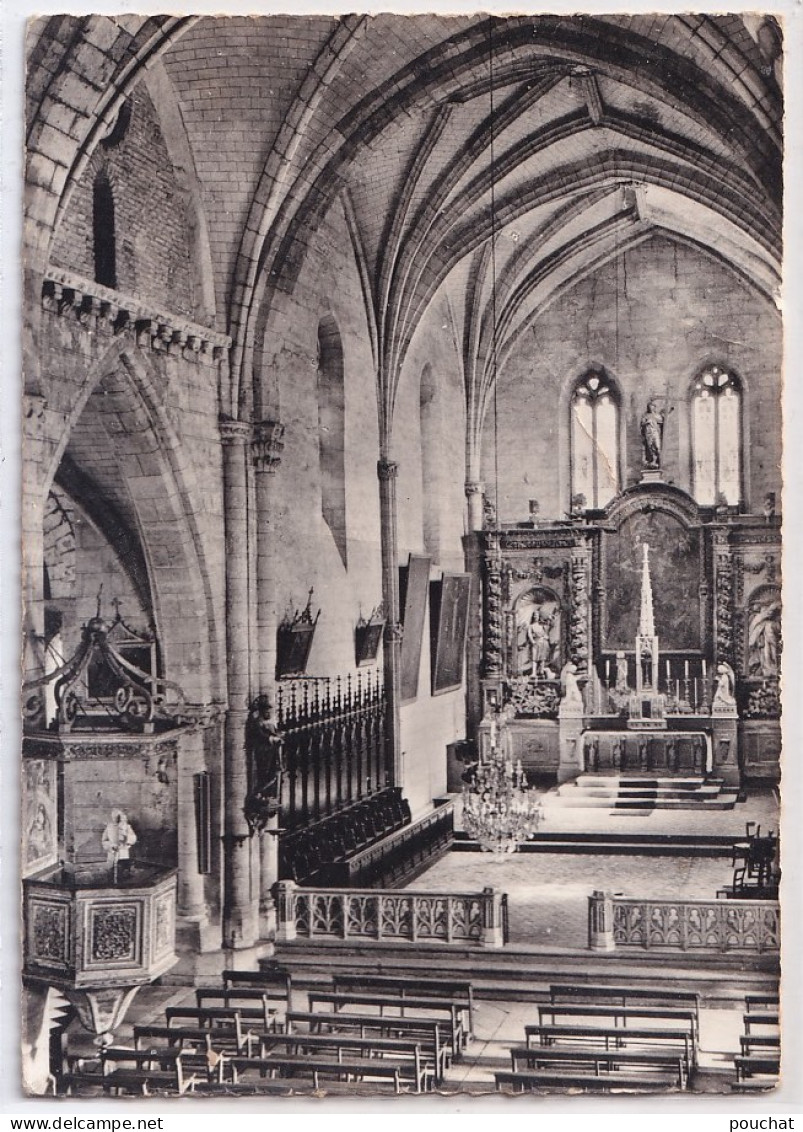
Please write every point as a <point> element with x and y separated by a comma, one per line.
<point>402,569</point>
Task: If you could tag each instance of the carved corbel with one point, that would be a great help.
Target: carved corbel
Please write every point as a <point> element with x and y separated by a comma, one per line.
<point>267,445</point>
<point>387,469</point>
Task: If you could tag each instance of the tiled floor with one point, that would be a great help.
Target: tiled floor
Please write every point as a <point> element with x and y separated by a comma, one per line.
<point>761,806</point>
<point>548,892</point>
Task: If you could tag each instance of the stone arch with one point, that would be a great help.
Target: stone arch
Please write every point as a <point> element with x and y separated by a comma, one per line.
<point>121,442</point>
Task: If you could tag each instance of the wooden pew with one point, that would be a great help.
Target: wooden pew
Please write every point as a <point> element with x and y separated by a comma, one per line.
<point>144,1072</point>
<point>427,1031</point>
<point>454,1011</point>
<point>241,999</point>
<point>216,1039</point>
<point>761,1002</point>
<point>215,1018</point>
<point>613,1037</point>
<point>411,986</point>
<point>750,1042</point>
<point>763,1065</point>
<point>624,996</point>
<point>760,1018</point>
<point>678,1015</point>
<point>313,1068</point>
<point>414,1065</point>
<point>80,1073</point>
<point>549,1057</point>
<point>276,984</point>
<point>528,1080</point>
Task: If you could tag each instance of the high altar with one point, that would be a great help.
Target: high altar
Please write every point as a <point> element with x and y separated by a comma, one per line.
<point>665,615</point>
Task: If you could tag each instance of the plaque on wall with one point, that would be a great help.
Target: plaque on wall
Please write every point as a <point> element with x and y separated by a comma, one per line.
<point>448,604</point>
<point>39,822</point>
<point>413,605</point>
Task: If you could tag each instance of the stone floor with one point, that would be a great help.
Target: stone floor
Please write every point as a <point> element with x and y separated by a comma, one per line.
<point>548,893</point>
<point>761,806</point>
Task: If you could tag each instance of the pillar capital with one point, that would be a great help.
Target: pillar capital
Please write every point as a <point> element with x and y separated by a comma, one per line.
<point>393,632</point>
<point>267,444</point>
<point>474,487</point>
<point>387,469</point>
<point>233,431</point>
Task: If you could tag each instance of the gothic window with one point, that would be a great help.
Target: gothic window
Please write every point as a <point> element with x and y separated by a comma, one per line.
<point>716,407</point>
<point>595,440</point>
<point>331,432</point>
<point>103,235</point>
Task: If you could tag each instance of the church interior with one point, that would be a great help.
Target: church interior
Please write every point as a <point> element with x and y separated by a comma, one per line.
<point>401,554</point>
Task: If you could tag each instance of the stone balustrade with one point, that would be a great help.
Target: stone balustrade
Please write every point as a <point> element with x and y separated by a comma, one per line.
<point>702,926</point>
<point>466,918</point>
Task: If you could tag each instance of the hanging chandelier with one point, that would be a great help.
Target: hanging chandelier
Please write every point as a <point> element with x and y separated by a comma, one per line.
<point>500,810</point>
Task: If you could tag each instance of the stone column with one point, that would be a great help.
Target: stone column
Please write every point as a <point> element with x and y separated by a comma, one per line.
<point>475,494</point>
<point>266,449</point>
<point>239,903</point>
<point>387,471</point>
<point>493,927</point>
<point>33,501</point>
<point>191,910</point>
<point>285,899</point>
<point>570,730</point>
<point>600,921</point>
<point>724,740</point>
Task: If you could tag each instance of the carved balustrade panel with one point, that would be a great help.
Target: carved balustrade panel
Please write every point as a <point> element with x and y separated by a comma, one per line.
<point>710,926</point>
<point>392,915</point>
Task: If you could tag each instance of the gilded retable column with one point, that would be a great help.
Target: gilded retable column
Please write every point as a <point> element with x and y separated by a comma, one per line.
<point>267,445</point>
<point>239,901</point>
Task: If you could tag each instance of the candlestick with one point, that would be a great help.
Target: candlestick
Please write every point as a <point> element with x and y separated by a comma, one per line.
<point>608,673</point>
<point>704,670</point>
<point>685,669</point>
<point>667,674</point>
<point>696,701</point>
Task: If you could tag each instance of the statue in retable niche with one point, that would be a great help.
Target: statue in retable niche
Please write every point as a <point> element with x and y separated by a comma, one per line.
<point>264,744</point>
<point>764,640</point>
<point>117,839</point>
<point>652,434</point>
<point>538,634</point>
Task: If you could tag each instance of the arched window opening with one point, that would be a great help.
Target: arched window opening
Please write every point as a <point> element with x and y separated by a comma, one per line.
<point>716,406</point>
<point>431,452</point>
<point>331,433</point>
<point>103,234</point>
<point>595,440</point>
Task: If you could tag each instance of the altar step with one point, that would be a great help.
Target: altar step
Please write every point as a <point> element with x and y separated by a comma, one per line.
<point>644,793</point>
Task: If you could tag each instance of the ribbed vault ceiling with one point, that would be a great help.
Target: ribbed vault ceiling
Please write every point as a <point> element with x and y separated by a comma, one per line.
<point>529,151</point>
